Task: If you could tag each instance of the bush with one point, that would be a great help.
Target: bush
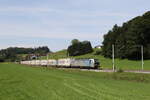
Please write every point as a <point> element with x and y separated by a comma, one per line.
<point>80,48</point>
<point>120,70</point>
<point>97,52</point>
<point>1,60</point>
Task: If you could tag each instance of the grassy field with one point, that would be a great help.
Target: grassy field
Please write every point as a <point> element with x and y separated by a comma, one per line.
<point>19,82</point>
<point>106,63</point>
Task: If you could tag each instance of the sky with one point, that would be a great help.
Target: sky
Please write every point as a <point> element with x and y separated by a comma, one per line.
<point>54,23</point>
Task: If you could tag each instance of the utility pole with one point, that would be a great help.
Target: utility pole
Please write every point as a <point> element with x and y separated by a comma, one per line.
<point>35,60</point>
<point>47,59</point>
<point>142,57</point>
<point>113,56</point>
<point>47,56</point>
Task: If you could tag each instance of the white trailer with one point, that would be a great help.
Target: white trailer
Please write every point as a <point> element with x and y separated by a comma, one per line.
<point>65,62</point>
<point>52,62</point>
<point>33,62</point>
<point>43,62</point>
<point>37,62</point>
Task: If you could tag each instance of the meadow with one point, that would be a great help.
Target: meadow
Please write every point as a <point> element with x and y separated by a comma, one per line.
<point>106,63</point>
<point>21,82</point>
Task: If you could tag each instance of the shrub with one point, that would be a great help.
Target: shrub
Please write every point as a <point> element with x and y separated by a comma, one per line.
<point>97,52</point>
<point>79,48</point>
<point>120,70</point>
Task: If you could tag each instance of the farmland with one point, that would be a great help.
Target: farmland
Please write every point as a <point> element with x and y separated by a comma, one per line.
<point>106,63</point>
<point>20,82</point>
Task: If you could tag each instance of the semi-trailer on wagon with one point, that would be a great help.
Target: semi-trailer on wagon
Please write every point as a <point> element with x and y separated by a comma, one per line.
<point>66,62</point>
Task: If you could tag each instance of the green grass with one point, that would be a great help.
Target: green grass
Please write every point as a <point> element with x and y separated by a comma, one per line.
<point>106,63</point>
<point>20,82</point>
<point>125,64</point>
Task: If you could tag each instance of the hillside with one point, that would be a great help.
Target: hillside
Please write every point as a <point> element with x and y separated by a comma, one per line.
<point>106,63</point>
<point>19,82</point>
<point>129,39</point>
<point>56,55</point>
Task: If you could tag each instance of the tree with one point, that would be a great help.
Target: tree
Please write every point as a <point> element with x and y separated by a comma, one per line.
<point>75,41</point>
<point>79,48</point>
<point>2,59</point>
<point>128,38</point>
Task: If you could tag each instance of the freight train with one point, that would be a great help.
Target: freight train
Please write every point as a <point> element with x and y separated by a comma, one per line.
<point>67,63</point>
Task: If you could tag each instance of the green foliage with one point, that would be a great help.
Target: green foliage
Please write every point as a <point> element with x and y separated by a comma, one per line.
<point>79,48</point>
<point>97,52</point>
<point>128,39</point>
<point>75,41</point>
<point>19,82</point>
<point>13,53</point>
<point>41,50</point>
<point>120,70</point>
<point>1,58</point>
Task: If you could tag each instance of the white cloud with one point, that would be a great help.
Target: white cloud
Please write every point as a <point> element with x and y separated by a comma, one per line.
<point>82,13</point>
<point>25,9</point>
<point>56,35</point>
<point>70,24</point>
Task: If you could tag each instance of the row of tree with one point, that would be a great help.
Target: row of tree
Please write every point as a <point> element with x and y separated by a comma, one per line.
<point>128,38</point>
<point>13,53</point>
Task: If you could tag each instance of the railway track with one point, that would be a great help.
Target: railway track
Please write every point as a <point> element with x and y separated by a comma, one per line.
<point>110,71</point>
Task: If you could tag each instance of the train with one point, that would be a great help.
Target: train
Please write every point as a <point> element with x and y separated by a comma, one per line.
<point>66,63</point>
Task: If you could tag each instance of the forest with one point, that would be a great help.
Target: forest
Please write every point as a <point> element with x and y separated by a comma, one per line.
<point>129,38</point>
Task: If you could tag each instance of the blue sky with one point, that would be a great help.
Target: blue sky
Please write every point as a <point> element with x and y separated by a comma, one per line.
<point>32,23</point>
